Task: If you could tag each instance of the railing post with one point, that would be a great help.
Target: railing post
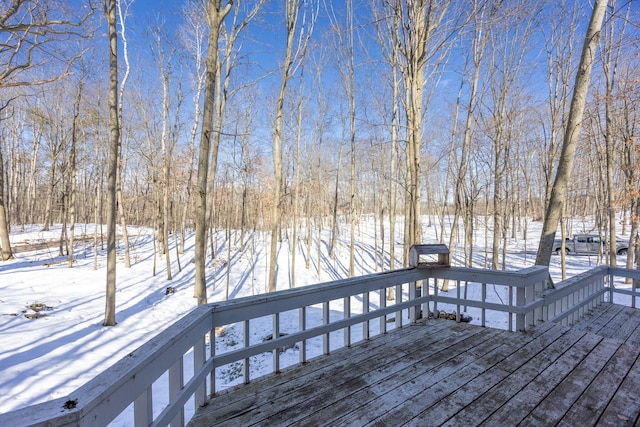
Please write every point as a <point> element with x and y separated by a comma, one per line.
<point>538,289</point>
<point>435,297</point>
<point>176,381</point>
<point>212,354</point>
<point>610,286</point>
<point>143,409</point>
<point>245,363</point>
<point>529,293</point>
<point>483,310</point>
<point>521,300</point>
<point>398,301</point>
<point>365,309</point>
<point>302,322</point>
<point>275,335</point>
<point>458,304</point>
<point>383,304</point>
<point>413,310</point>
<point>325,321</point>
<point>199,359</point>
<point>425,292</point>
<point>346,313</point>
<point>510,315</point>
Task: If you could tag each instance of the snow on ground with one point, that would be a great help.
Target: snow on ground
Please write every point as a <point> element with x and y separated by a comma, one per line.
<point>50,356</point>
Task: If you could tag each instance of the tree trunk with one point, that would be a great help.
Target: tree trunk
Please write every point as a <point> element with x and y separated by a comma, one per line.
<point>216,15</point>
<point>292,7</point>
<point>334,214</point>
<point>5,243</point>
<point>73,174</point>
<point>50,190</point>
<point>296,185</point>
<point>114,139</point>
<point>122,161</point>
<point>572,132</point>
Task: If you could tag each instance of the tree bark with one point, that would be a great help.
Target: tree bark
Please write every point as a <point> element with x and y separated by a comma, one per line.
<point>216,14</point>
<point>5,243</point>
<point>292,7</point>
<point>114,140</point>
<point>122,161</point>
<point>73,174</point>
<point>572,132</point>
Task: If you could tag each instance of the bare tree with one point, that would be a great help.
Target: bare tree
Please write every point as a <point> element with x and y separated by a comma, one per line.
<point>123,8</point>
<point>291,61</point>
<point>559,37</point>
<point>611,57</point>
<point>418,22</point>
<point>346,67</point>
<point>193,37</point>
<point>296,183</point>
<point>389,40</point>
<point>29,31</point>
<point>216,12</point>
<point>483,15</point>
<point>5,243</point>
<point>114,142</point>
<point>73,169</point>
<point>574,124</point>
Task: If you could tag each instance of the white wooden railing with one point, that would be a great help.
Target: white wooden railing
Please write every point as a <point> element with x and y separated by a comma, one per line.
<point>344,305</point>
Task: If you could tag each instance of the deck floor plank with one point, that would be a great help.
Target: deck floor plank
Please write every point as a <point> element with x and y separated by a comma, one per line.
<point>424,384</point>
<point>627,328</point>
<point>593,374</point>
<point>387,365</point>
<point>496,387</point>
<point>592,402</point>
<point>633,339</point>
<point>438,372</point>
<point>623,408</point>
<point>445,398</point>
<point>614,328</point>
<point>524,401</point>
<point>591,316</point>
<point>262,395</point>
<point>602,315</point>
<point>447,361</point>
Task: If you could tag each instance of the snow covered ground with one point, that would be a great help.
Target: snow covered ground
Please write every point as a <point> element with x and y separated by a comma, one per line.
<point>50,356</point>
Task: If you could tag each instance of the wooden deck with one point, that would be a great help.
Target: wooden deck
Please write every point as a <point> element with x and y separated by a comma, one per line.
<point>438,372</point>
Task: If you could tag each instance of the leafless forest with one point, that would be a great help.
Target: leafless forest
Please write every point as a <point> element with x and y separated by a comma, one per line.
<point>295,117</point>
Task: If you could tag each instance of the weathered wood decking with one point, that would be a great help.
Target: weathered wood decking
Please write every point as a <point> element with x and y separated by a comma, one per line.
<point>438,372</point>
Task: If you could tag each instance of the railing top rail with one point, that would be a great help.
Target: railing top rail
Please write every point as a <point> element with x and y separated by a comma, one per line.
<point>625,272</point>
<point>519,279</point>
<point>241,309</point>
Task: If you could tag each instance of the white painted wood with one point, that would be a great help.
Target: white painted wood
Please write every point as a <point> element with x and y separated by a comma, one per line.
<point>274,337</point>
<point>382,302</point>
<point>346,313</point>
<point>143,409</point>
<point>199,358</point>
<point>176,380</point>
<point>365,309</point>
<point>129,380</point>
<point>212,355</point>
<point>302,345</point>
<point>246,361</point>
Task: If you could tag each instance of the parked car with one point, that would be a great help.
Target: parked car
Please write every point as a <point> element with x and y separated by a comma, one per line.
<point>588,244</point>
